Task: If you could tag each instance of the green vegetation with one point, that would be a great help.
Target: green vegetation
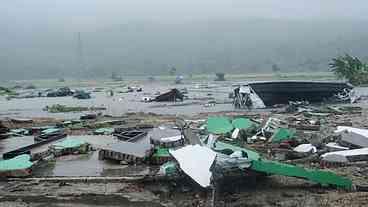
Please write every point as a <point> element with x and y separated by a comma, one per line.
<point>6,91</point>
<point>58,108</point>
<point>351,69</point>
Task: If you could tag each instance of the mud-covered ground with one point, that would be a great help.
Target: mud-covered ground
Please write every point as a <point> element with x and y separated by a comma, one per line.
<point>269,191</point>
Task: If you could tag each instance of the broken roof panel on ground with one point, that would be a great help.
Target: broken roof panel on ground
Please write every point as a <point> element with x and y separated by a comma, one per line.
<point>136,149</point>
<point>131,135</point>
<point>166,136</point>
<point>219,125</point>
<point>243,123</point>
<point>220,146</point>
<point>351,155</point>
<point>319,176</point>
<point>163,131</point>
<point>196,162</point>
<point>333,146</point>
<point>363,132</point>
<point>283,134</point>
<point>353,140</point>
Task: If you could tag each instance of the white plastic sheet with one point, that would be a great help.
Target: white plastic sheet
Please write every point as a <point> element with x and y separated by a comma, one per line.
<point>347,153</point>
<point>336,147</point>
<point>305,148</point>
<point>171,139</point>
<point>363,132</point>
<point>196,161</point>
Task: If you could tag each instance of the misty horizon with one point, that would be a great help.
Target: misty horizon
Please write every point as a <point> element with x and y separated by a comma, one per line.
<point>40,38</point>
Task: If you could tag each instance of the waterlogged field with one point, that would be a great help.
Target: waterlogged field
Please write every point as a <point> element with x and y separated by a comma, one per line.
<point>201,88</point>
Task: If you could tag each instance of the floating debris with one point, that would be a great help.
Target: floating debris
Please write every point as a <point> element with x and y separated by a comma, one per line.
<point>69,146</point>
<point>60,92</point>
<point>88,117</point>
<point>50,134</point>
<point>130,136</point>
<point>19,166</point>
<point>58,108</point>
<point>220,77</point>
<point>21,121</point>
<point>127,152</point>
<point>166,137</point>
<point>104,131</point>
<point>81,95</point>
<point>171,96</point>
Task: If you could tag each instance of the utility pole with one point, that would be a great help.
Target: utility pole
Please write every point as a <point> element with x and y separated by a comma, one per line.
<point>80,56</point>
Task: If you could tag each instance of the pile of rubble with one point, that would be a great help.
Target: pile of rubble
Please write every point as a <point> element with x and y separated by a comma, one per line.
<point>210,150</point>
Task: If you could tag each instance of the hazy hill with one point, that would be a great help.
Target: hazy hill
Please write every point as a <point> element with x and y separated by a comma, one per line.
<point>149,48</point>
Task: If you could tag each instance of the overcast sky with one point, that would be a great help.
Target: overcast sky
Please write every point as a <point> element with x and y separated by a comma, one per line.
<point>40,36</point>
<point>97,13</point>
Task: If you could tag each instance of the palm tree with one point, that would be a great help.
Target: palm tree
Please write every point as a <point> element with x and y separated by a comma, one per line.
<point>350,68</point>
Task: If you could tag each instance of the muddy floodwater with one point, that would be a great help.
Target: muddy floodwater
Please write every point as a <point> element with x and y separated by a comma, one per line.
<point>199,95</point>
<point>121,103</point>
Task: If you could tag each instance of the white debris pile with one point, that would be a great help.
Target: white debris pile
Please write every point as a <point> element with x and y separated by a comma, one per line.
<point>353,146</point>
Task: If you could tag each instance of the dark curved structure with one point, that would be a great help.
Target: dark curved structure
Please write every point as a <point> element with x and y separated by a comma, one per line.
<point>281,92</point>
<point>171,96</point>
